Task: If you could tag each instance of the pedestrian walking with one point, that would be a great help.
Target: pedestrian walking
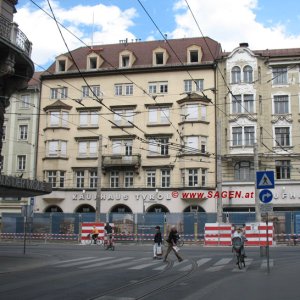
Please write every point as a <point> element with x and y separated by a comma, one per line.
<point>172,242</point>
<point>157,247</point>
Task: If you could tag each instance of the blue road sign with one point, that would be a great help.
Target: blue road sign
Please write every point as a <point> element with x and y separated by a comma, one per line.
<point>265,196</point>
<point>265,180</point>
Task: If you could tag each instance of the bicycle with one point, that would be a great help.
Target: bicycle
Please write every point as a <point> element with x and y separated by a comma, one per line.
<point>90,240</point>
<point>108,243</point>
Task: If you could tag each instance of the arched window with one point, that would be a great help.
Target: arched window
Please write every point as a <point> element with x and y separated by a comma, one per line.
<point>157,208</point>
<point>236,75</point>
<point>85,208</point>
<point>121,208</point>
<point>194,208</point>
<point>248,74</point>
<point>244,171</point>
<point>53,209</point>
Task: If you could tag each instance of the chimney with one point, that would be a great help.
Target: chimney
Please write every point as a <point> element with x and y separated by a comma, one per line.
<point>245,45</point>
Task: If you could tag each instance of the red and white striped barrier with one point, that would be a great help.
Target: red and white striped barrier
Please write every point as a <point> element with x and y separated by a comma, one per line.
<point>87,229</point>
<point>256,234</point>
<point>216,234</point>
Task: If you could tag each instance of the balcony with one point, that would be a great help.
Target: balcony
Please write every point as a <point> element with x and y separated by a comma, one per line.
<point>11,33</point>
<point>121,161</point>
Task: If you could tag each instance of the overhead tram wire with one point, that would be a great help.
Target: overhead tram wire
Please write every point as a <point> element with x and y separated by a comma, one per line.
<point>228,88</point>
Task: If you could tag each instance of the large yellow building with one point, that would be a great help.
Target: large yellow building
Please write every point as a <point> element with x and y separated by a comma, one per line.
<point>143,112</point>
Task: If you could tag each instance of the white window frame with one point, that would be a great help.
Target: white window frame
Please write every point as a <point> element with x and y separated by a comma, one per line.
<point>21,162</point>
<point>158,115</point>
<point>57,148</point>
<point>25,101</point>
<point>122,117</point>
<point>151,178</point>
<point>87,148</point>
<point>23,132</point>
<point>242,141</point>
<point>165,178</point>
<point>279,99</point>
<point>88,118</point>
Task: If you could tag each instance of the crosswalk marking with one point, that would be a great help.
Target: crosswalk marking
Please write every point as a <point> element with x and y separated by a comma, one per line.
<point>219,265</point>
<point>160,268</point>
<point>139,267</point>
<point>81,262</point>
<point>187,268</point>
<point>248,262</point>
<point>264,263</point>
<point>203,261</point>
<point>71,260</point>
<point>106,262</point>
<point>126,264</point>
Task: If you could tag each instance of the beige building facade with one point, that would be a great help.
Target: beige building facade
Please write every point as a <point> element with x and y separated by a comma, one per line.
<point>258,103</point>
<point>146,111</point>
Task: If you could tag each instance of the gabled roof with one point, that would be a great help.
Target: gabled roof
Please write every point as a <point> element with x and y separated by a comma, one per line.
<point>58,105</point>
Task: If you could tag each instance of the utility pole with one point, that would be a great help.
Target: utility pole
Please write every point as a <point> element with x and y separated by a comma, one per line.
<point>257,202</point>
<point>219,174</point>
<point>99,172</point>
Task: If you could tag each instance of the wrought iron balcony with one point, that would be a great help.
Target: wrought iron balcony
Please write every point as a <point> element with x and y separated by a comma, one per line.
<point>11,33</point>
<point>121,161</point>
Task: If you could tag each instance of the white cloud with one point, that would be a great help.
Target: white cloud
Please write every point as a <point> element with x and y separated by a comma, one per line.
<point>230,22</point>
<point>107,24</point>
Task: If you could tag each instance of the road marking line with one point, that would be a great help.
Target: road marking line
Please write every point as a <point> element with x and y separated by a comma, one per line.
<point>219,265</point>
<point>247,262</point>
<point>71,260</point>
<point>186,268</point>
<point>162,267</point>
<point>93,260</point>
<point>264,263</point>
<point>126,264</point>
<point>144,266</point>
<point>106,262</point>
<point>203,261</point>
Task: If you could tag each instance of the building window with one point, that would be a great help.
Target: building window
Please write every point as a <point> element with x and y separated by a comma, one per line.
<point>158,146</point>
<point>25,101</point>
<point>93,179</point>
<point>194,57</point>
<point>193,144</point>
<point>21,162</point>
<point>243,136</point>
<point>23,132</point>
<point>128,179</point>
<point>283,169</point>
<point>57,148</point>
<point>159,115</point>
<point>151,176</point>
<point>280,75</point>
<point>56,178</point>
<point>125,61</point>
<point>160,87</point>
<point>193,177</point>
<point>79,179</point>
<point>159,58</point>
<point>123,89</point>
<point>243,104</point>
<point>282,136</point>
<point>87,148</point>
<point>93,62</point>
<point>248,74</point>
<point>61,66</point>
<point>91,91</point>
<point>122,147</point>
<point>165,178</point>
<point>59,93</point>
<point>195,85</point>
<point>123,117</point>
<point>203,177</point>
<point>235,75</point>
<point>281,104</point>
<point>244,171</point>
<point>193,112</point>
<point>114,179</point>
<point>88,118</point>
<point>59,119</point>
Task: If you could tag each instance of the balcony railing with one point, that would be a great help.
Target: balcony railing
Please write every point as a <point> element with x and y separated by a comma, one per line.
<point>111,161</point>
<point>10,32</point>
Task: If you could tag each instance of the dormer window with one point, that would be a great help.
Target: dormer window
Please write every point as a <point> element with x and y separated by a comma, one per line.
<point>93,62</point>
<point>159,56</point>
<point>61,66</point>
<point>194,54</point>
<point>126,59</point>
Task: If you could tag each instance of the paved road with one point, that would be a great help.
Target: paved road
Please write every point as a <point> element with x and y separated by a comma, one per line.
<point>89,272</point>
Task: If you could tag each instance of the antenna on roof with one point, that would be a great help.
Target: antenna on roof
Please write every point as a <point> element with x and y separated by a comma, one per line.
<point>93,32</point>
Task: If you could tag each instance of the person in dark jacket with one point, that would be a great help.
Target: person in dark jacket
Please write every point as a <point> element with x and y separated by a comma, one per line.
<point>172,241</point>
<point>157,247</point>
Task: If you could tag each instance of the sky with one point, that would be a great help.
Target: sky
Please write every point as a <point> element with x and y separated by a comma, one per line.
<point>264,24</point>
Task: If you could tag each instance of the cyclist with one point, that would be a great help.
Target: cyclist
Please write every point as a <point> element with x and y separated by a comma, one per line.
<point>108,230</point>
<point>95,233</point>
<point>239,234</point>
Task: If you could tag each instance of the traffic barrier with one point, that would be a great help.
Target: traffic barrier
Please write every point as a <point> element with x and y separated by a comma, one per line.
<point>216,234</point>
<point>256,234</point>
